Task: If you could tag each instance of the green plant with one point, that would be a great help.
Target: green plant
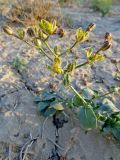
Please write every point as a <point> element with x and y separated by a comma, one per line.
<point>103,6</point>
<point>91,107</point>
<point>69,2</point>
<point>19,64</point>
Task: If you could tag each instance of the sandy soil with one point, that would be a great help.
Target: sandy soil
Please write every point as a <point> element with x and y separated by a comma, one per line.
<point>19,118</point>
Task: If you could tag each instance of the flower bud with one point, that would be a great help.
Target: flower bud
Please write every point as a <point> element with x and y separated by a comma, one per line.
<point>37,42</point>
<point>41,35</point>
<point>60,32</point>
<point>106,46</point>
<point>21,33</point>
<point>108,36</point>
<point>30,32</point>
<point>91,27</point>
<point>8,30</point>
<point>71,67</point>
<point>81,35</point>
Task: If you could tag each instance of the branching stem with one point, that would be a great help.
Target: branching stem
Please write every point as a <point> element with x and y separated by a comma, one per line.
<point>69,49</point>
<point>80,65</point>
<point>76,92</point>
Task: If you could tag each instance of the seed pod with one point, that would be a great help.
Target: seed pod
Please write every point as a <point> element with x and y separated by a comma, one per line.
<point>66,79</point>
<point>105,46</point>
<point>60,32</point>
<point>108,36</point>
<point>30,32</point>
<point>71,67</point>
<point>37,42</point>
<point>41,35</point>
<point>91,27</point>
<point>8,30</point>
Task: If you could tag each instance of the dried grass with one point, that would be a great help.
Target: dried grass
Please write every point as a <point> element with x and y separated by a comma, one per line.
<point>30,12</point>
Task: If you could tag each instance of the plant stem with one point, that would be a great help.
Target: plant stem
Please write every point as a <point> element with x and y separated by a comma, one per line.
<point>24,41</point>
<point>104,95</point>
<point>46,54</point>
<point>80,65</point>
<point>69,49</point>
<point>76,92</point>
<point>33,46</point>
<point>47,45</point>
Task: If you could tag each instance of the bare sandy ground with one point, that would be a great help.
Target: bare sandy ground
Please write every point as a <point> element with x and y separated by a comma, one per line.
<point>19,118</point>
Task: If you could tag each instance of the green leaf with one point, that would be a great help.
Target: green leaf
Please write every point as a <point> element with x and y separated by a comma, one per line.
<point>49,97</point>
<point>77,101</point>
<point>87,118</point>
<point>114,89</point>
<point>116,132</point>
<point>108,106</point>
<point>49,112</point>
<point>42,106</point>
<point>45,96</point>
<point>70,103</point>
<point>88,93</point>
<point>117,125</point>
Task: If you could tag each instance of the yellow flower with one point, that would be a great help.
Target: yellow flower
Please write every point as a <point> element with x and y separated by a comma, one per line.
<point>93,57</point>
<point>56,67</point>
<point>96,57</point>
<point>81,35</point>
<point>48,27</point>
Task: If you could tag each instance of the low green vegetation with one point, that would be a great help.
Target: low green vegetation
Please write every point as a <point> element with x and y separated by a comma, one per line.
<point>103,6</point>
<point>93,109</point>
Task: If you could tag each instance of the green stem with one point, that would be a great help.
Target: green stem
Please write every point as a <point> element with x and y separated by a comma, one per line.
<point>24,41</point>
<point>85,103</point>
<point>46,54</point>
<point>47,45</point>
<point>104,95</point>
<point>80,65</point>
<point>69,49</point>
<point>34,47</point>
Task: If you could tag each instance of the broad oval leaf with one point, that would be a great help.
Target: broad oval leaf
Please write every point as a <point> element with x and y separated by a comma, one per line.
<point>87,118</point>
<point>108,106</point>
<point>117,125</point>
<point>42,106</point>
<point>76,101</point>
<point>49,112</point>
<point>116,132</point>
<point>88,93</point>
